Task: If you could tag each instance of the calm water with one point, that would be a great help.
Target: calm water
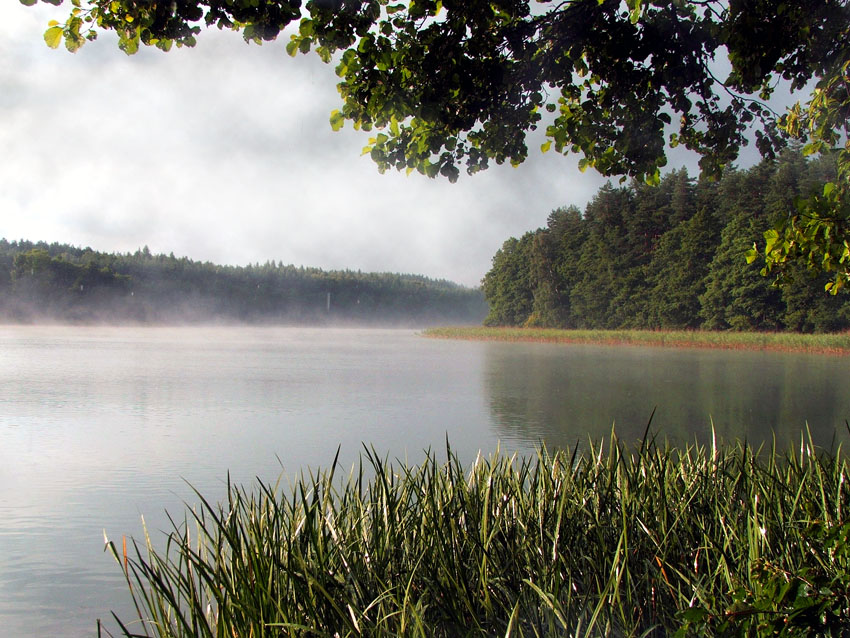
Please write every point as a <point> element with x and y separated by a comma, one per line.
<point>100,426</point>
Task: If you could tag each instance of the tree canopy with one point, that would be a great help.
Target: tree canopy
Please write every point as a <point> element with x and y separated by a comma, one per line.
<point>451,85</point>
<point>59,282</point>
<point>666,257</point>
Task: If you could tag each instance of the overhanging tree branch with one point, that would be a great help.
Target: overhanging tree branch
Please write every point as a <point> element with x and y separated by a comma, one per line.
<point>452,85</point>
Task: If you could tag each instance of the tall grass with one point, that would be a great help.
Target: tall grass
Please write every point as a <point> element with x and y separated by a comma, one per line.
<point>614,540</point>
<point>837,343</point>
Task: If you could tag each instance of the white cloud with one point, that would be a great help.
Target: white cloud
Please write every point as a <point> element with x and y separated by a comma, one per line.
<point>224,153</point>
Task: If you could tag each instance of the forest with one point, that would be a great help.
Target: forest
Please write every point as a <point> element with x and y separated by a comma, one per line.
<point>669,257</point>
<point>58,282</point>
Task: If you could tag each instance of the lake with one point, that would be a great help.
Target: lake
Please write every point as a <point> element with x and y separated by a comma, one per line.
<point>100,426</point>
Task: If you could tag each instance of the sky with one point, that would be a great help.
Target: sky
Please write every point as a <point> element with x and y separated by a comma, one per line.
<point>224,153</point>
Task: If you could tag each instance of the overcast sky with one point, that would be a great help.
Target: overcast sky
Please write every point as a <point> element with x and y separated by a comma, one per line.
<point>224,153</point>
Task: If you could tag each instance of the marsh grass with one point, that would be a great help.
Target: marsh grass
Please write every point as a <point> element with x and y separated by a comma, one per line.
<point>613,540</point>
<point>838,343</point>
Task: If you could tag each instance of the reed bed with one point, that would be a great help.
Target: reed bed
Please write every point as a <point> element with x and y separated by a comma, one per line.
<point>609,541</point>
<point>837,343</point>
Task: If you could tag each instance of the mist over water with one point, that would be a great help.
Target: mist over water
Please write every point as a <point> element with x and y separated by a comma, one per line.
<point>100,426</point>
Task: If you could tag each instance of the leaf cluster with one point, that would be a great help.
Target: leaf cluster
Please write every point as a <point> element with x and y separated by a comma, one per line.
<point>811,600</point>
<point>455,85</point>
<point>816,233</point>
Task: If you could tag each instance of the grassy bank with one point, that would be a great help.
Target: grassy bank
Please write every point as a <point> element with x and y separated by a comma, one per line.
<point>614,541</point>
<point>783,341</point>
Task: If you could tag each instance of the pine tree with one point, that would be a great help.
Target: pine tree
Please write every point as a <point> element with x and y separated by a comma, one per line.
<point>508,284</point>
<point>678,271</point>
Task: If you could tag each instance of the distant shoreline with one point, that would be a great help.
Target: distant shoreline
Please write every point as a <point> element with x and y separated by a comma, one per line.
<point>833,344</point>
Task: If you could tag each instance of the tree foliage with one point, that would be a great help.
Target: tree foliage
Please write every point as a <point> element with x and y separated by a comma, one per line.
<point>448,85</point>
<point>816,231</point>
<point>669,257</point>
<point>61,282</point>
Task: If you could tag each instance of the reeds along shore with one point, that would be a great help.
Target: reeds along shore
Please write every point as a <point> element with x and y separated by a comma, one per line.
<point>835,343</point>
<point>607,541</point>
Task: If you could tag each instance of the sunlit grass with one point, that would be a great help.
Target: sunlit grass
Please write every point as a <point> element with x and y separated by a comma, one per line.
<point>794,342</point>
<point>609,541</point>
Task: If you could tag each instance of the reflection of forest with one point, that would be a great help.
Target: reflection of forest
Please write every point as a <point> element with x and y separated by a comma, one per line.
<point>562,395</point>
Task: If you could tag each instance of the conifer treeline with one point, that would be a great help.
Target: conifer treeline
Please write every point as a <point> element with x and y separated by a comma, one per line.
<point>666,257</point>
<point>40,281</point>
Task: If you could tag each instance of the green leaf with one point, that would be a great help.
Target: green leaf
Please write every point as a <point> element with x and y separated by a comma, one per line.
<point>73,42</point>
<point>337,119</point>
<point>771,237</point>
<point>28,3</point>
<point>306,28</point>
<point>129,42</point>
<point>752,254</point>
<point>292,47</point>
<point>432,170</point>
<point>693,614</point>
<point>653,179</point>
<point>828,188</point>
<point>635,6</point>
<point>53,36</point>
<point>546,146</point>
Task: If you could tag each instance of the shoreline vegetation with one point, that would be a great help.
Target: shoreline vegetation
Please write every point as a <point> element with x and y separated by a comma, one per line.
<point>678,256</point>
<point>607,540</point>
<point>833,343</point>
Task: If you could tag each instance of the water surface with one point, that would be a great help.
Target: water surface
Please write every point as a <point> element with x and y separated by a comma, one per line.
<point>101,426</point>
